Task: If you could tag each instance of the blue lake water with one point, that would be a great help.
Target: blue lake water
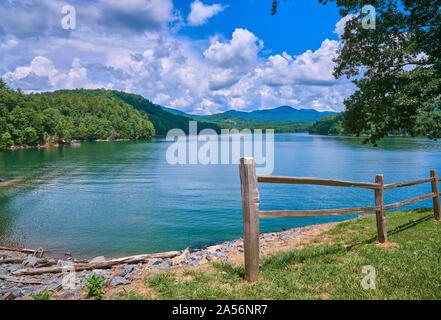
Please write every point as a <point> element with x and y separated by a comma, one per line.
<point>118,198</point>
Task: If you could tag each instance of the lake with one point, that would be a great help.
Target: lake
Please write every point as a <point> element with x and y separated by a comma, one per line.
<point>122,198</point>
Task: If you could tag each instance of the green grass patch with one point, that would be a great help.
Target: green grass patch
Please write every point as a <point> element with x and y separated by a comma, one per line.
<point>330,267</point>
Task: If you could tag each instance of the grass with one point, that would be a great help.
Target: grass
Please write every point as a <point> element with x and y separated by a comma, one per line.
<point>329,267</point>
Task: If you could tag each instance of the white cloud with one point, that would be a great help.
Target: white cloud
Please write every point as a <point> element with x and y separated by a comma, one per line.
<point>314,68</point>
<point>240,51</point>
<point>340,25</point>
<point>204,76</point>
<point>200,13</point>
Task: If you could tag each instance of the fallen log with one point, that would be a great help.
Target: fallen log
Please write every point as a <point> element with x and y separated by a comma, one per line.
<point>99,265</point>
<point>24,250</point>
<point>21,260</point>
<point>8,261</point>
<point>18,280</point>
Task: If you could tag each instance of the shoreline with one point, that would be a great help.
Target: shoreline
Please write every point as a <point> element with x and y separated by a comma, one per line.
<point>122,275</point>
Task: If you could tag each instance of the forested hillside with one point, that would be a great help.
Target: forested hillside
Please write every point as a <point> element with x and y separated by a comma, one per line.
<point>162,120</point>
<point>331,125</point>
<point>32,119</point>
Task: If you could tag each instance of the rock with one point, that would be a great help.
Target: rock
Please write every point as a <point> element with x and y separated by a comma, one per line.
<point>55,285</point>
<point>62,263</point>
<point>214,248</point>
<point>39,290</point>
<point>181,258</point>
<point>106,283</point>
<point>68,294</point>
<point>203,261</point>
<point>134,272</point>
<point>12,268</point>
<point>154,261</point>
<point>27,291</point>
<point>98,259</point>
<point>16,292</point>
<point>8,296</point>
<point>212,258</point>
<point>114,296</point>
<point>118,281</point>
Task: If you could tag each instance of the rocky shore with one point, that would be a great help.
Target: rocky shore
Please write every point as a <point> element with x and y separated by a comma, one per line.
<point>69,285</point>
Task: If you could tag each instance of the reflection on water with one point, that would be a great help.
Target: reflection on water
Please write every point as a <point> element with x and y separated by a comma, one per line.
<point>117,198</point>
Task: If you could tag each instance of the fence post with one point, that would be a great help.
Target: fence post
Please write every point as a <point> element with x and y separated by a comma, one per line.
<point>250,207</point>
<point>381,217</point>
<point>435,189</point>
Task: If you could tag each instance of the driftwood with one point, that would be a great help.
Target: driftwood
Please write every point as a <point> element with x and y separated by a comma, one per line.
<point>98,265</point>
<point>6,261</point>
<point>19,280</point>
<point>40,250</point>
<point>40,262</point>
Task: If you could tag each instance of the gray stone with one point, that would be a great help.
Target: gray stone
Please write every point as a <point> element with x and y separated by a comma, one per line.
<point>118,281</point>
<point>13,268</point>
<point>39,290</point>
<point>31,261</point>
<point>154,261</point>
<point>27,291</point>
<point>62,263</point>
<point>55,285</point>
<point>16,292</point>
<point>69,294</point>
<point>114,296</point>
<point>106,283</point>
<point>98,259</point>
<point>101,273</point>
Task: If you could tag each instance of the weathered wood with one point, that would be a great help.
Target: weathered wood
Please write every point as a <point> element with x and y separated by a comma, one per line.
<point>99,265</point>
<point>406,184</point>
<point>314,213</point>
<point>250,207</point>
<point>409,201</point>
<point>316,181</point>
<point>380,213</point>
<point>20,280</point>
<point>21,260</point>
<point>20,250</point>
<point>435,190</point>
<point>24,250</point>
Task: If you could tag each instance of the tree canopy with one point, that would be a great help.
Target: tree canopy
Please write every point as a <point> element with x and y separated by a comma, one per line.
<point>396,67</point>
<point>32,119</point>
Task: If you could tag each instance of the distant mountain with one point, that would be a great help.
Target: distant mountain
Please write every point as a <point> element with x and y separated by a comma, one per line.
<point>283,113</point>
<point>174,111</point>
<point>227,121</point>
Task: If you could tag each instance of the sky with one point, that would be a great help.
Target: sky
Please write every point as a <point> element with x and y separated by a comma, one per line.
<point>197,56</point>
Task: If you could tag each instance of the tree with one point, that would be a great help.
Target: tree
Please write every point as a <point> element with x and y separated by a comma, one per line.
<point>396,67</point>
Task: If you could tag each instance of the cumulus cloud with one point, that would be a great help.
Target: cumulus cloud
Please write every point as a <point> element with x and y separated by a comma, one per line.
<point>340,25</point>
<point>136,15</point>
<point>209,76</point>
<point>200,13</point>
<point>314,68</point>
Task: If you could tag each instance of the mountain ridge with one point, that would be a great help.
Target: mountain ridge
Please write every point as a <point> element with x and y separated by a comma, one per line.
<point>282,113</point>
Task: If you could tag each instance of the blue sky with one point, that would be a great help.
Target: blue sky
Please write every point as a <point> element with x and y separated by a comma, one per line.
<point>199,56</point>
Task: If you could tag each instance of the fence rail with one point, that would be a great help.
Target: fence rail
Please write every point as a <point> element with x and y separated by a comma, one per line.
<point>251,213</point>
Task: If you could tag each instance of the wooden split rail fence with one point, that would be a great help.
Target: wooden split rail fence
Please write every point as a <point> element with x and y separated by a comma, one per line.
<point>251,214</point>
